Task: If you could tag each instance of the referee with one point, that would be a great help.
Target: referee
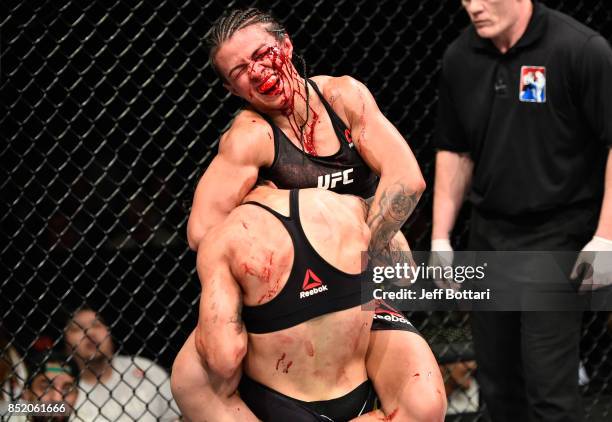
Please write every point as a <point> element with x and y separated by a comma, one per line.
<point>525,128</point>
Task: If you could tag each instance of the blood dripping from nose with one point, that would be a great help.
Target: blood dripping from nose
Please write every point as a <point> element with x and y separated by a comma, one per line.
<point>287,74</point>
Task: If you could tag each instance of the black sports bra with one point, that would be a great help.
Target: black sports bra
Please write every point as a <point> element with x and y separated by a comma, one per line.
<point>314,286</point>
<point>343,172</point>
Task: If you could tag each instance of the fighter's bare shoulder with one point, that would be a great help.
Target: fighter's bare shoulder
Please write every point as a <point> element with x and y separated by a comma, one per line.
<point>356,204</point>
<point>335,87</point>
<point>344,93</point>
<point>212,250</point>
<point>248,135</point>
<point>218,244</point>
<point>346,212</point>
<point>352,204</point>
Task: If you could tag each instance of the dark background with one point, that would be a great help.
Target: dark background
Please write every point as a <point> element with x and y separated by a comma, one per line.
<point>111,113</point>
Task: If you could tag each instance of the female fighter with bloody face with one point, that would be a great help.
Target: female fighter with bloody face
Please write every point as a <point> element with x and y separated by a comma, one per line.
<point>320,132</point>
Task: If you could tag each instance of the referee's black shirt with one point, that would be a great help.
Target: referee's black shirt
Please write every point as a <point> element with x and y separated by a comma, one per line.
<point>531,153</point>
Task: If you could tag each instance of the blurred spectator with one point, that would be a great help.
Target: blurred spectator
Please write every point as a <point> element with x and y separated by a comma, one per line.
<point>114,387</point>
<point>53,378</point>
<point>12,370</point>
<point>461,387</point>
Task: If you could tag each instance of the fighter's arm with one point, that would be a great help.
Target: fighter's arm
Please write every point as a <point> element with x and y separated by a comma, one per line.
<point>229,177</point>
<point>387,153</point>
<point>220,336</point>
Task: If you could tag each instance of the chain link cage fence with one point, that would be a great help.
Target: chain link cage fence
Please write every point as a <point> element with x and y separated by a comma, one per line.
<point>110,115</point>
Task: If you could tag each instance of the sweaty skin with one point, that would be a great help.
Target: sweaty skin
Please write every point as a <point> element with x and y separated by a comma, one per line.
<point>279,359</point>
<point>257,67</point>
<point>309,361</point>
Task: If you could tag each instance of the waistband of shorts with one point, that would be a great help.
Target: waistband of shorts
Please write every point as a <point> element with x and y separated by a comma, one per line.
<point>360,395</point>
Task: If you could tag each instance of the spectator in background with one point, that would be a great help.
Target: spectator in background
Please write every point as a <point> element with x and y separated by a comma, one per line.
<point>53,378</point>
<point>525,126</point>
<point>12,370</point>
<point>115,387</point>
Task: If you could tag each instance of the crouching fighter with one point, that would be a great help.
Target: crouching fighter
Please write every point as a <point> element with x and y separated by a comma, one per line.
<point>281,320</point>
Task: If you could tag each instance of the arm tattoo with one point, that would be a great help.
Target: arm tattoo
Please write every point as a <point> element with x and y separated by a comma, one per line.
<point>395,205</point>
<point>391,256</point>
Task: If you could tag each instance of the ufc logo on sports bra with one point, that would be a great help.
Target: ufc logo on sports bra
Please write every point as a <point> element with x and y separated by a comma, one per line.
<point>329,181</point>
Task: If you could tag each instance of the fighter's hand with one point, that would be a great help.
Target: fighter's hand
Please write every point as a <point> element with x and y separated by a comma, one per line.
<point>594,265</point>
<point>442,255</point>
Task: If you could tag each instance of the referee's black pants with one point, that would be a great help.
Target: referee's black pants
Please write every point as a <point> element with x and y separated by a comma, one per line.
<point>528,364</point>
<point>528,361</point>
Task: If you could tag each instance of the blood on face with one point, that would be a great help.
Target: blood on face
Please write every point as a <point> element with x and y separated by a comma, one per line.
<point>273,67</point>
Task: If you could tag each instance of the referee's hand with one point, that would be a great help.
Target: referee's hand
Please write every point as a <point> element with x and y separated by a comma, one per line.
<point>442,255</point>
<point>594,265</point>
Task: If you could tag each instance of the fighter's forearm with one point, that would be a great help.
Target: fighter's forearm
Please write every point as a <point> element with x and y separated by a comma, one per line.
<point>391,207</point>
<point>220,336</point>
<point>223,353</point>
<point>396,252</point>
<point>236,410</point>
<point>225,403</point>
<point>223,376</point>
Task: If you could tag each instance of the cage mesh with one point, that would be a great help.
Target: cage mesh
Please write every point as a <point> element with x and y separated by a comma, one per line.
<point>110,115</point>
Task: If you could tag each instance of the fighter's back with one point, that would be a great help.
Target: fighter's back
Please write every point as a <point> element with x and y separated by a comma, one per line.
<point>262,252</point>
<point>323,356</point>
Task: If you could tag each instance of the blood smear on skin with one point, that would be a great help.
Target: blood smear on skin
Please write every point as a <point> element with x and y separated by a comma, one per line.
<point>282,64</point>
<point>280,360</point>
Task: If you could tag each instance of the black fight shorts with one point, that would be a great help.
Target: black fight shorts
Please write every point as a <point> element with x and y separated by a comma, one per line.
<point>388,318</point>
<point>271,406</point>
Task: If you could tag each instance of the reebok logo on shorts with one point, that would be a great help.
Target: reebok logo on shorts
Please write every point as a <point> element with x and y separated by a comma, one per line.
<point>532,83</point>
<point>312,285</point>
<point>387,313</point>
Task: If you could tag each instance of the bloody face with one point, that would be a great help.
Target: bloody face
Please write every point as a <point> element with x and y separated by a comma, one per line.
<point>257,67</point>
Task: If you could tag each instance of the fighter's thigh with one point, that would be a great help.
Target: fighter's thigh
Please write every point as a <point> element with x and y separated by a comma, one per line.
<point>406,376</point>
